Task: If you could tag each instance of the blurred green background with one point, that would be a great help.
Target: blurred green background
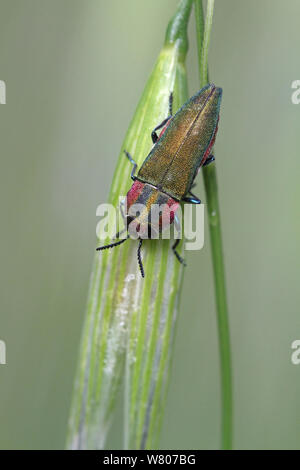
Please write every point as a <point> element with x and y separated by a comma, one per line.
<point>74,71</point>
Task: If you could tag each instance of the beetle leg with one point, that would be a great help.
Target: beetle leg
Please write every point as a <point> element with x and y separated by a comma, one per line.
<point>178,228</point>
<point>133,163</point>
<point>139,257</point>
<point>171,104</point>
<point>180,259</point>
<point>196,199</point>
<point>154,136</point>
<point>209,160</point>
<point>192,200</point>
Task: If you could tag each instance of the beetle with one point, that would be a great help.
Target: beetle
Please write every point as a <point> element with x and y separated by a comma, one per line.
<point>167,175</point>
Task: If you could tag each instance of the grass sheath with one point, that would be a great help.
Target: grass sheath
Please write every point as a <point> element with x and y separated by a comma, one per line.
<point>129,323</point>
<point>212,201</point>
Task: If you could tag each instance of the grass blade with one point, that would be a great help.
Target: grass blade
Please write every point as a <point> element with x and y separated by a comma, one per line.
<point>129,322</point>
<point>213,209</point>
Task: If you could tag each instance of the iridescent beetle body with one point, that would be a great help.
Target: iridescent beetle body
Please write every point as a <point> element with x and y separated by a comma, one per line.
<point>167,174</point>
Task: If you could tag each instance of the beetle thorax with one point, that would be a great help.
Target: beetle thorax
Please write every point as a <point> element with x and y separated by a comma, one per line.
<point>149,211</point>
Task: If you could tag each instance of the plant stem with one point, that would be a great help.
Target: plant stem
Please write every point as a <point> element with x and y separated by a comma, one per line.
<point>211,188</point>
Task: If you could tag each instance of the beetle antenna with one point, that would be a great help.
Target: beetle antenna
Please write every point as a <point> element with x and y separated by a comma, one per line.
<point>171,104</point>
<point>140,258</point>
<point>112,245</point>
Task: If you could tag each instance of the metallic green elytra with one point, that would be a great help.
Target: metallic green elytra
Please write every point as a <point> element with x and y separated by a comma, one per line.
<point>166,177</point>
<point>184,145</point>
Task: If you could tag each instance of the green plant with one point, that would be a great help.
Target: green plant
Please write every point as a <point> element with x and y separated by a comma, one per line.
<point>213,210</point>
<point>130,322</point>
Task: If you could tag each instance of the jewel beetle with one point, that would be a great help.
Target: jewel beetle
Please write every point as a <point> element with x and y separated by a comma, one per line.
<point>167,175</point>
